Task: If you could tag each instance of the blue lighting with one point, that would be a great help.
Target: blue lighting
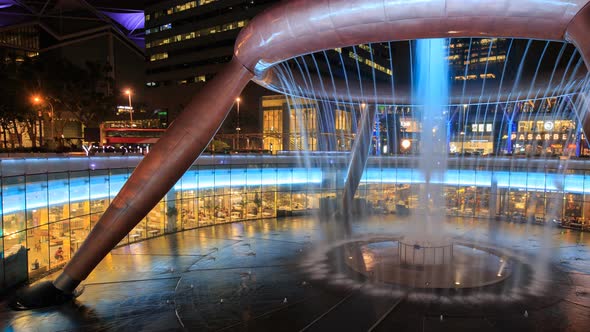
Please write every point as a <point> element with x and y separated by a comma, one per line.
<point>61,191</point>
<point>79,189</point>
<point>530,181</point>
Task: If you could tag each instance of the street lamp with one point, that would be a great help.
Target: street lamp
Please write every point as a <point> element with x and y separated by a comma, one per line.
<point>238,125</point>
<point>128,93</point>
<point>37,100</point>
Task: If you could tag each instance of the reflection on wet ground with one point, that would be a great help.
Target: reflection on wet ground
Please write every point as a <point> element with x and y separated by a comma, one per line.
<point>267,275</point>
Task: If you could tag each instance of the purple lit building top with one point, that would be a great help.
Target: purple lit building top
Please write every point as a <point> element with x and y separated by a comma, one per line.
<point>6,3</point>
<point>129,20</point>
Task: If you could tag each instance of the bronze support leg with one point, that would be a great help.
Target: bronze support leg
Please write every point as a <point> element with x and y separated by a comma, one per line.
<point>157,173</point>
<point>360,155</point>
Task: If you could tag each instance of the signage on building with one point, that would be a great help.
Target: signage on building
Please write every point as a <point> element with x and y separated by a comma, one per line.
<point>545,137</point>
<point>548,125</point>
<point>124,109</point>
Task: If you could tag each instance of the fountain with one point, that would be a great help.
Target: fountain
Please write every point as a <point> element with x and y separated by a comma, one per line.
<point>293,29</point>
<point>431,93</point>
<point>425,254</point>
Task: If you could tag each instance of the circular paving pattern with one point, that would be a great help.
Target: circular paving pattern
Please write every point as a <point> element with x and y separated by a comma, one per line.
<point>478,273</point>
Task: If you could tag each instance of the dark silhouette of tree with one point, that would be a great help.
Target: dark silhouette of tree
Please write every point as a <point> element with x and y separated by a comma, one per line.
<point>85,93</point>
<point>18,80</point>
<point>67,92</point>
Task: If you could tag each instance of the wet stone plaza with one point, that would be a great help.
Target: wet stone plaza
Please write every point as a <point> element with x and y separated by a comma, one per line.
<point>290,275</point>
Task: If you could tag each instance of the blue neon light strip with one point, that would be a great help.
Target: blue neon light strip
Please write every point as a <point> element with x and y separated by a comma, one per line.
<point>531,181</point>
<point>78,190</point>
<point>62,192</point>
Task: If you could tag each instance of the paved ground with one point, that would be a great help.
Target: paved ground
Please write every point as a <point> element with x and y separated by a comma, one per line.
<point>283,275</point>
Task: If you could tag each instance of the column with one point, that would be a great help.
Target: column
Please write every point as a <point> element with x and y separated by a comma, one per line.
<point>157,173</point>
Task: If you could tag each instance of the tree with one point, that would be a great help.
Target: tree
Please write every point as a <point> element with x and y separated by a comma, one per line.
<point>85,93</point>
<point>217,146</point>
<point>67,91</point>
<point>17,81</point>
<point>6,114</point>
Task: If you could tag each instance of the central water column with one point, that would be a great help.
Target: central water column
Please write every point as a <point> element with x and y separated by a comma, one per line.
<point>430,95</point>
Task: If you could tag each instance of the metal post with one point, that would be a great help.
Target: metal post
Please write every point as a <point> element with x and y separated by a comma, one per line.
<point>130,108</point>
<point>360,155</point>
<point>238,126</point>
<point>40,129</point>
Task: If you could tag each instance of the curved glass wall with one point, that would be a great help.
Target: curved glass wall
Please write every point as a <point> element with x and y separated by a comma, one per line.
<point>47,215</point>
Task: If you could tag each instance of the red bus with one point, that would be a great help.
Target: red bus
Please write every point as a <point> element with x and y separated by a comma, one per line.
<point>122,132</point>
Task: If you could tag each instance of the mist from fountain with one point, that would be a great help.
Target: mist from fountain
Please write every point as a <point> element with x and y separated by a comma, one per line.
<point>431,92</point>
<point>445,119</point>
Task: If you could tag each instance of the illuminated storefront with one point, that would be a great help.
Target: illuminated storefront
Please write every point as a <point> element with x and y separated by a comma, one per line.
<point>47,215</point>
<point>293,124</point>
<point>545,127</point>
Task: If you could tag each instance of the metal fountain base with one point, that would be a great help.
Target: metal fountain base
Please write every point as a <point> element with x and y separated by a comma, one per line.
<point>426,264</point>
<point>42,295</point>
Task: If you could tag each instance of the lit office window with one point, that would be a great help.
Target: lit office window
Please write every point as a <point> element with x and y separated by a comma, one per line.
<point>486,41</point>
<point>479,127</point>
<point>159,56</point>
<point>482,76</point>
<point>370,63</point>
<point>366,48</point>
<point>495,58</point>
<point>158,29</point>
<point>177,9</point>
<point>342,120</point>
<point>272,121</point>
<point>198,33</point>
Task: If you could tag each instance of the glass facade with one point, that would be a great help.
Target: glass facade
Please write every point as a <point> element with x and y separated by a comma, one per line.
<point>296,124</point>
<point>544,127</point>
<point>196,34</point>
<point>177,9</point>
<point>26,37</point>
<point>186,41</point>
<point>477,59</point>
<point>46,216</point>
<point>272,122</point>
<point>519,194</point>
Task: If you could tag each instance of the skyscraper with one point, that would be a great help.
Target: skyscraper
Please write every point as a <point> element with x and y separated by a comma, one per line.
<point>187,42</point>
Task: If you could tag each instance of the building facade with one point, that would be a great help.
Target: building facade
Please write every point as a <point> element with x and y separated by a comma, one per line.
<point>298,124</point>
<point>187,42</point>
<point>477,58</point>
<point>47,215</point>
<point>543,127</point>
<point>75,34</point>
